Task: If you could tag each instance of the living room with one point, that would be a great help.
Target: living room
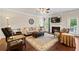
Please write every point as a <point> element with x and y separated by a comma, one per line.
<point>34,20</point>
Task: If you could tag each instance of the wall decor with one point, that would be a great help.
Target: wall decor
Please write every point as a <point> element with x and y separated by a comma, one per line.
<point>31,21</point>
<point>55,19</point>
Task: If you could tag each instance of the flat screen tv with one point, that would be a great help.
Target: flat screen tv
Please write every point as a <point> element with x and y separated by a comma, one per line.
<point>55,19</point>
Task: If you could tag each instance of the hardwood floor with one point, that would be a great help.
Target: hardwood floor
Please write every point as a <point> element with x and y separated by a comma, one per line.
<point>57,47</point>
<point>61,47</point>
<point>3,45</point>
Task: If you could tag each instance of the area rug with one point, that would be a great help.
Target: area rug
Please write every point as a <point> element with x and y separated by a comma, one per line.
<point>42,43</point>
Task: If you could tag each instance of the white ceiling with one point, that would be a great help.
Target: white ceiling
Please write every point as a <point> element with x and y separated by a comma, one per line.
<point>34,11</point>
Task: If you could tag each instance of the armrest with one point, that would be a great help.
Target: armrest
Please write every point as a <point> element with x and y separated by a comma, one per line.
<point>16,37</point>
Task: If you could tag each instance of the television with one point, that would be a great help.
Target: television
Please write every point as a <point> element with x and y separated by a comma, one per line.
<point>55,19</point>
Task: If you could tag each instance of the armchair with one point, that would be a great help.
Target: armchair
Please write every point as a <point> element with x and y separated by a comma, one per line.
<point>14,41</point>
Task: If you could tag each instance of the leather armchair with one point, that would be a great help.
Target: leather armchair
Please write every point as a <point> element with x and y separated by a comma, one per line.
<point>13,40</point>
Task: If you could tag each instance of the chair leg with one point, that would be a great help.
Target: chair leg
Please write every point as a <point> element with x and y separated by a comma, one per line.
<point>24,43</point>
<point>8,47</point>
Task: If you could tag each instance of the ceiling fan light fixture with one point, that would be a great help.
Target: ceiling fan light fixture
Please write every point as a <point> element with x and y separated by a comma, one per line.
<point>44,10</point>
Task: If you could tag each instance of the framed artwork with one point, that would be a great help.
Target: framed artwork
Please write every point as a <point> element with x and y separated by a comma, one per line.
<point>55,19</point>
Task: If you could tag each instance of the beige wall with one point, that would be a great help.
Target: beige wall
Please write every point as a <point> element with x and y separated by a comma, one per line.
<point>17,20</point>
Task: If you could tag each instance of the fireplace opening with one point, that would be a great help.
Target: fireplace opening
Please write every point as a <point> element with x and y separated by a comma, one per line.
<point>55,29</point>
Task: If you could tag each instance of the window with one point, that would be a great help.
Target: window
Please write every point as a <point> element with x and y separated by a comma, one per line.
<point>41,22</point>
<point>45,22</point>
<point>73,25</point>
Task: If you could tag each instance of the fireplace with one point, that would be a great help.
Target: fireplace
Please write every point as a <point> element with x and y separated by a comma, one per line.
<point>55,29</point>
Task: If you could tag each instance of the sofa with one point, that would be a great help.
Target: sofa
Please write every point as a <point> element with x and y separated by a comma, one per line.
<point>67,39</point>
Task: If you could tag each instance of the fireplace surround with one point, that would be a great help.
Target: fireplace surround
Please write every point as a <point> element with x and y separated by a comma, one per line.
<point>55,29</point>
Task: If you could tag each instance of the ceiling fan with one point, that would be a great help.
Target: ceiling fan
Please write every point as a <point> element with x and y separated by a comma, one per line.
<point>44,10</point>
<point>47,10</point>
